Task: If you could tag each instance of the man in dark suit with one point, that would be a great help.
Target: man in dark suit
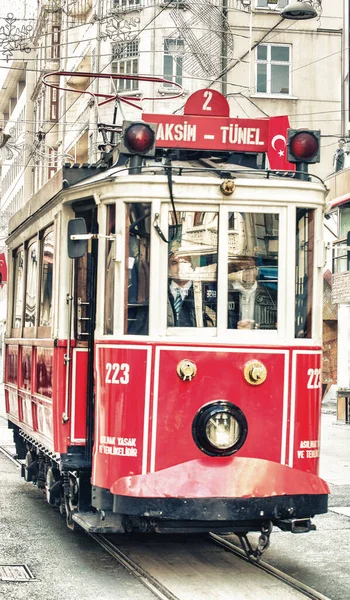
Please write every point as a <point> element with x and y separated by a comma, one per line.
<point>181,304</point>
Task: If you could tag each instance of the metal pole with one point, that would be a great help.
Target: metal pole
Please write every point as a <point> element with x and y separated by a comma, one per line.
<point>224,49</point>
<point>302,172</point>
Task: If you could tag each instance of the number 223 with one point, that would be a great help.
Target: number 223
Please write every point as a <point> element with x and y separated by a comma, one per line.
<point>117,373</point>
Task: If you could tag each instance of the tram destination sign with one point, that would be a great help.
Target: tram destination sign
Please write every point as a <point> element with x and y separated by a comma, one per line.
<point>206,125</point>
<point>341,288</point>
<point>216,133</point>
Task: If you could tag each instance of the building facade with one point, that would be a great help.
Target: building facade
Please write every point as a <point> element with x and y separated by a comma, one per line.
<point>264,64</point>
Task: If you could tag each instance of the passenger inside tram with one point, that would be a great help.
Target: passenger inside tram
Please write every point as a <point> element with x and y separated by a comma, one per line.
<point>191,296</point>
<point>181,306</point>
<point>252,301</point>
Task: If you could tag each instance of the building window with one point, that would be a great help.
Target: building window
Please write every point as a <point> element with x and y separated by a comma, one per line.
<point>173,58</point>
<point>126,4</point>
<point>55,41</point>
<point>271,4</point>
<point>273,69</point>
<point>54,104</point>
<point>126,62</point>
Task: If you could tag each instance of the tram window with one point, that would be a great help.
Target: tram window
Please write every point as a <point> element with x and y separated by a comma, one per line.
<point>110,266</point>
<point>45,318</point>
<point>304,272</point>
<point>18,290</point>
<point>137,268</point>
<point>252,270</point>
<point>31,284</point>
<point>192,269</point>
<point>344,221</point>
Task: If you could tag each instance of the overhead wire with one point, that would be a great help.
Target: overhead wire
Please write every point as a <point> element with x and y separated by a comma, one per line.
<point>229,67</point>
<point>65,112</point>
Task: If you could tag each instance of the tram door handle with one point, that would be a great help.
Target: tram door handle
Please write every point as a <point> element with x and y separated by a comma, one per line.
<point>80,318</point>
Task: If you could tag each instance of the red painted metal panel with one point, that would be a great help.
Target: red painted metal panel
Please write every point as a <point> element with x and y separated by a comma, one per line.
<point>11,371</point>
<point>231,477</point>
<point>207,103</point>
<point>219,377</point>
<point>44,371</point>
<point>306,411</point>
<point>79,391</point>
<point>120,413</point>
<point>219,133</point>
<point>12,406</point>
<point>26,368</point>
<point>26,411</point>
<point>43,419</point>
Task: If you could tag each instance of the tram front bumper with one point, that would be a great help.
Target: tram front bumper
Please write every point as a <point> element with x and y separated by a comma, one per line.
<point>230,488</point>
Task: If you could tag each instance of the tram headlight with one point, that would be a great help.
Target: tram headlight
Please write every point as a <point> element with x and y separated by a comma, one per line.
<point>219,428</point>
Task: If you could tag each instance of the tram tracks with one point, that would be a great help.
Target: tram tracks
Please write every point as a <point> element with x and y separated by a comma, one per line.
<point>254,586</point>
<point>264,566</point>
<point>158,589</point>
<point>141,567</point>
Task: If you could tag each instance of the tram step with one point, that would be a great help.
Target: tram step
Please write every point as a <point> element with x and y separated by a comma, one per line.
<point>94,523</point>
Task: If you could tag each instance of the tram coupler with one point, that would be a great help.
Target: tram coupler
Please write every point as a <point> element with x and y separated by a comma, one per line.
<point>296,525</point>
<point>263,542</point>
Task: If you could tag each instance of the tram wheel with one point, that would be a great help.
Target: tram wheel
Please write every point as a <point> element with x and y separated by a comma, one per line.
<point>31,467</point>
<point>71,502</point>
<point>53,487</point>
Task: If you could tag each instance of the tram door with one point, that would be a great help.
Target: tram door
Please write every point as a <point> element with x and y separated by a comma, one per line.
<point>84,319</point>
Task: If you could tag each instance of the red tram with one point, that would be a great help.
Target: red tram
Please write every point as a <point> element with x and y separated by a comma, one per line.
<point>163,365</point>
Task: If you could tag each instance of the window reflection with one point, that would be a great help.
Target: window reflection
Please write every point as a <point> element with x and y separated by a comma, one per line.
<point>137,267</point>
<point>303,272</point>
<point>18,293</point>
<point>46,281</point>
<point>192,269</point>
<point>110,266</point>
<point>31,284</point>
<point>252,270</point>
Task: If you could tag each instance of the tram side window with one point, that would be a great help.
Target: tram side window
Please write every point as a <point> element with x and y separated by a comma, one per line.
<point>304,272</point>
<point>18,290</point>
<point>31,284</point>
<point>137,268</point>
<point>110,266</point>
<point>45,317</point>
<point>252,270</point>
<point>192,269</point>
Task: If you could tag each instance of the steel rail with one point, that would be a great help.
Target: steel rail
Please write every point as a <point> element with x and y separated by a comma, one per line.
<point>159,590</point>
<point>287,579</point>
<point>8,454</point>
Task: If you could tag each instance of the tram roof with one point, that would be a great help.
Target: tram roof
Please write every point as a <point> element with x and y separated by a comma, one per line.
<point>339,201</point>
<point>206,167</point>
<point>78,177</point>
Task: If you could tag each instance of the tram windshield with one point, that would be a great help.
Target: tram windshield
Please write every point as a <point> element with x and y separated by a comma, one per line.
<point>192,269</point>
<point>252,270</point>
